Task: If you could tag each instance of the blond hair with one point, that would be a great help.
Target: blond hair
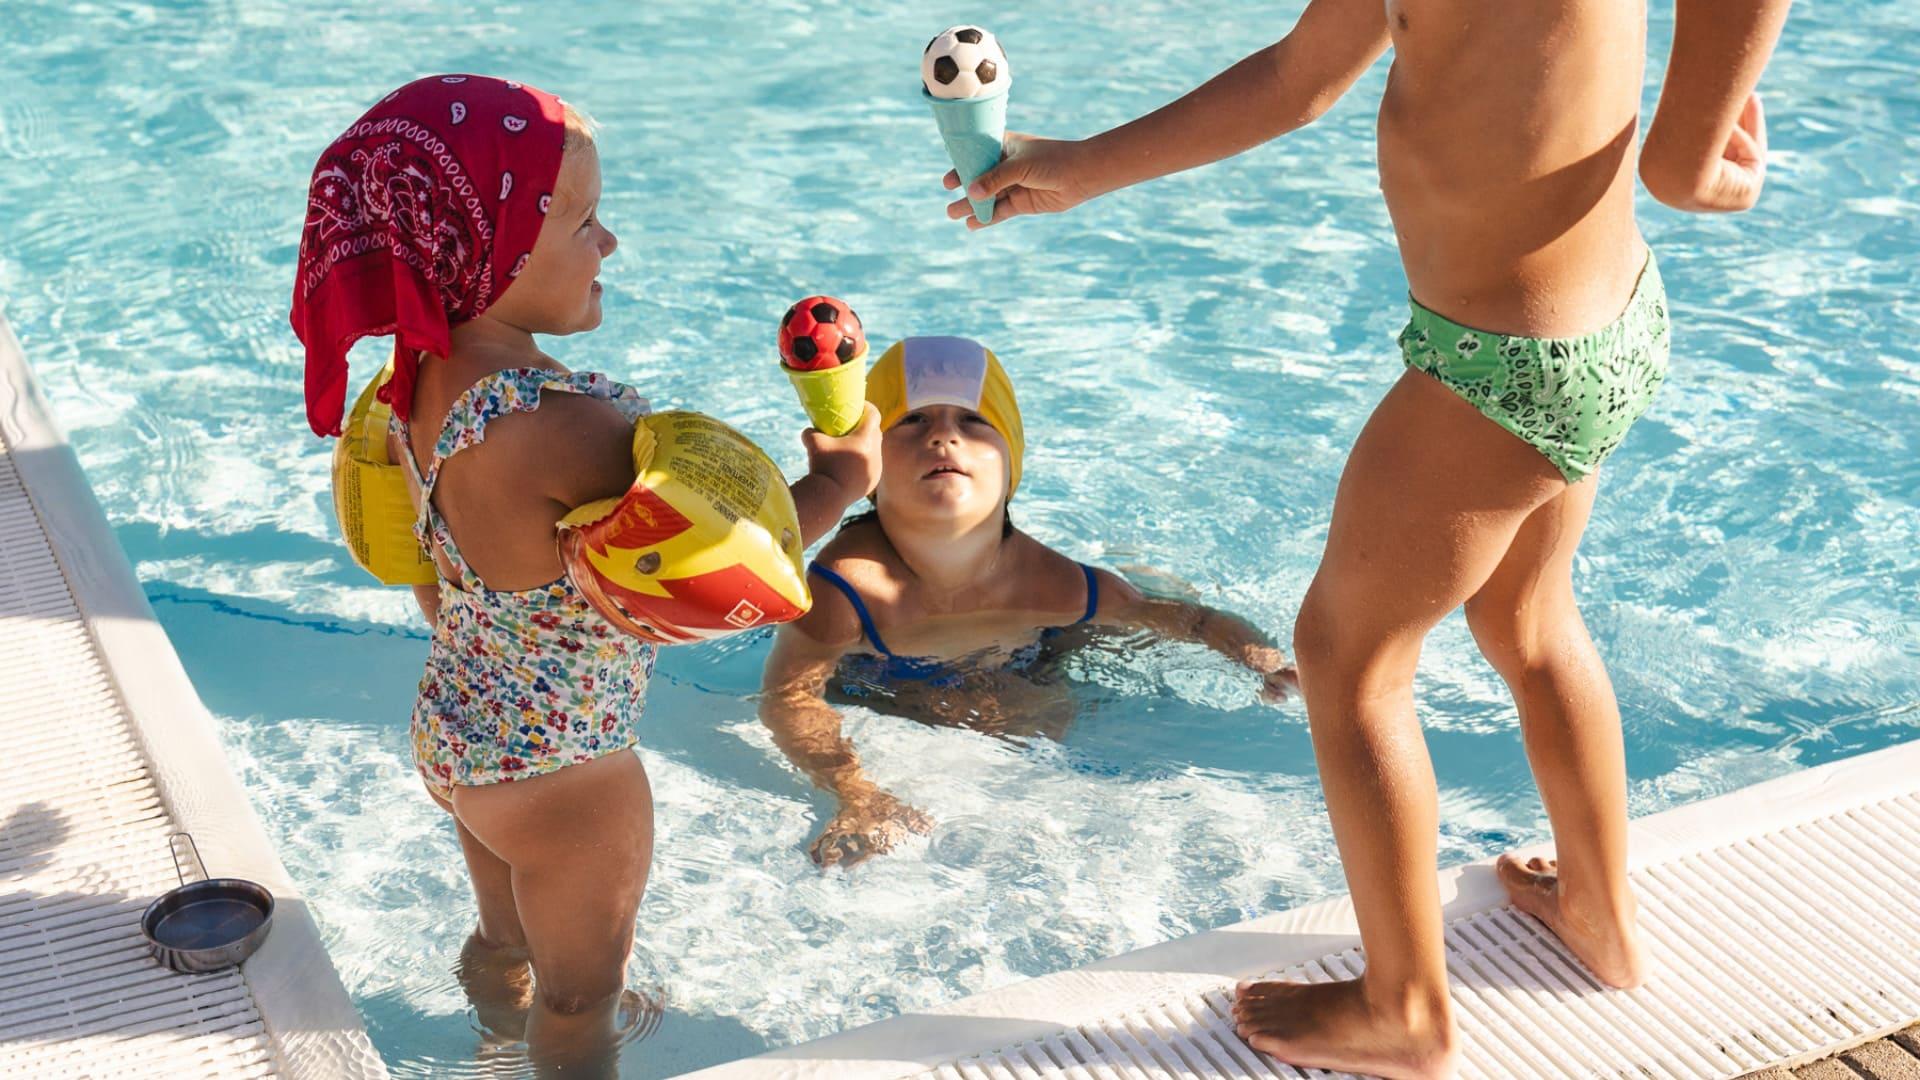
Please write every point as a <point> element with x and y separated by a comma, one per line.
<point>580,129</point>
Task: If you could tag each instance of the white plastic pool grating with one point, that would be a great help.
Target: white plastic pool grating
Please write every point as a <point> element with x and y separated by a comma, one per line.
<point>1772,949</point>
<point>108,751</point>
<point>1782,924</point>
<point>83,848</point>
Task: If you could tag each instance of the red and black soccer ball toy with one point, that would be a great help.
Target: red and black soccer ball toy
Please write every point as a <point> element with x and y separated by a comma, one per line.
<point>820,332</point>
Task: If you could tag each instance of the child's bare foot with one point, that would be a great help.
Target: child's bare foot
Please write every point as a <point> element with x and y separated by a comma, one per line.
<point>1332,1026</point>
<point>639,1014</point>
<point>1608,943</point>
<point>498,980</point>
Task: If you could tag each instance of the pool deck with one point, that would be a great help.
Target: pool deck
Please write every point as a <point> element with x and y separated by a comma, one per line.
<point>1896,1057</point>
<point>109,752</point>
<point>1782,922</point>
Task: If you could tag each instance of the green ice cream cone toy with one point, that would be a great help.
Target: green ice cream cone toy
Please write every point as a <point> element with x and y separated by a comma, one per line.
<point>823,350</point>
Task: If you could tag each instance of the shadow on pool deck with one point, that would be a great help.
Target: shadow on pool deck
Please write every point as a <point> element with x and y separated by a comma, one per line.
<point>73,959</point>
<point>51,996</point>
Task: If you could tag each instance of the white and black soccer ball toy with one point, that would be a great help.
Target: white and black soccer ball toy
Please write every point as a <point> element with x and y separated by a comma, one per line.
<point>964,62</point>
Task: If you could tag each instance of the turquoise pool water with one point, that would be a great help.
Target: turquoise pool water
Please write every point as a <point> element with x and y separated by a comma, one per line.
<point>1194,358</point>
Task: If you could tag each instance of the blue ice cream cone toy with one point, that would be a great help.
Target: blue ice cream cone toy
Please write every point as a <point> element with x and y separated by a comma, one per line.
<point>973,129</point>
<point>965,78</point>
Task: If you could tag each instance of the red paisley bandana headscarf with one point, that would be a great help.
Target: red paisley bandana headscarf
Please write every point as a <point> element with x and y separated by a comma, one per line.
<point>418,218</point>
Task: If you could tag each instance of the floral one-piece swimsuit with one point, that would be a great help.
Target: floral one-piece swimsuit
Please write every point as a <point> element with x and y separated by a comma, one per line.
<point>518,683</point>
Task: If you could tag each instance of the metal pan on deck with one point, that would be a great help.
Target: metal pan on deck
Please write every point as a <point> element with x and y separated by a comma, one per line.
<point>209,924</point>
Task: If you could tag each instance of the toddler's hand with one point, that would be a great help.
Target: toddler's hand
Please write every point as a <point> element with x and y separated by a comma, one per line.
<point>869,825</point>
<point>851,461</point>
<point>1035,176</point>
<point>1734,179</point>
<point>1278,679</point>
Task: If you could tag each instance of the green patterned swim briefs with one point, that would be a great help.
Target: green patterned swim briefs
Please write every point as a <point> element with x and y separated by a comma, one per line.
<point>1572,399</point>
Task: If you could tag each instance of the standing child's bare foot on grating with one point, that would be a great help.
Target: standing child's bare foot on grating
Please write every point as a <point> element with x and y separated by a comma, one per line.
<point>1333,1026</point>
<point>1609,944</point>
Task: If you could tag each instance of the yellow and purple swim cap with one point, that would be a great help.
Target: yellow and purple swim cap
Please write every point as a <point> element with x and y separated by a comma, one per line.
<point>920,371</point>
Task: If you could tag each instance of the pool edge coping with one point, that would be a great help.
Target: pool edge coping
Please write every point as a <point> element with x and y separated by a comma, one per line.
<point>313,1026</point>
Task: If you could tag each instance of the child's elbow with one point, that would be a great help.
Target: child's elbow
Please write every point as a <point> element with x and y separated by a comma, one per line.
<point>783,697</point>
<point>1669,186</point>
<point>1318,106</point>
<point>775,700</point>
<point>1301,96</point>
<point>1683,182</point>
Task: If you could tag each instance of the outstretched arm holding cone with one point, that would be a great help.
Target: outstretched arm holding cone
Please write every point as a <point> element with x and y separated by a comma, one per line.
<point>700,543</point>
<point>1282,87</point>
<point>578,471</point>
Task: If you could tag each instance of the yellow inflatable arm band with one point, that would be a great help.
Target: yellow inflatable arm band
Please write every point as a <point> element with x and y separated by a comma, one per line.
<point>705,544</point>
<point>370,496</point>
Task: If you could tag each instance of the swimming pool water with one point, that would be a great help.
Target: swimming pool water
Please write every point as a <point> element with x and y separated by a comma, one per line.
<point>1193,357</point>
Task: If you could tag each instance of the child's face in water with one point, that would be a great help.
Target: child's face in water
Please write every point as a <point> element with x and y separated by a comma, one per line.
<point>556,292</point>
<point>943,463</point>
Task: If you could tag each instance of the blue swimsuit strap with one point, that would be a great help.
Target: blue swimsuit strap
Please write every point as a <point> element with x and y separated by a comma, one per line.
<point>873,632</point>
<point>1093,594</point>
<point>859,607</point>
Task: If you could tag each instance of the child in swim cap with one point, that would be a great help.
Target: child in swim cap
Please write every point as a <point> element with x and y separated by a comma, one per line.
<point>936,584</point>
<point>461,215</point>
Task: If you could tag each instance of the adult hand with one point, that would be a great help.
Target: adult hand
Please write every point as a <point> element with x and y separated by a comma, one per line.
<point>1035,176</point>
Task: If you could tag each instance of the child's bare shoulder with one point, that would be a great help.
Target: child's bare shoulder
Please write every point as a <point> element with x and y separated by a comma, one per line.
<point>1050,581</point>
<point>860,553</point>
<point>831,621</point>
<point>573,448</point>
<point>854,555</point>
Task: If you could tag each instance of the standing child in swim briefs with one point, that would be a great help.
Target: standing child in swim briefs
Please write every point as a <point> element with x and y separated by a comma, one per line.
<point>1538,335</point>
<point>461,215</point>
<point>936,587</point>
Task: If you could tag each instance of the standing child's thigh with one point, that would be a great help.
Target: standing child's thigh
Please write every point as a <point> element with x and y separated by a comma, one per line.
<point>579,841</point>
<point>1432,495</point>
<point>1528,600</point>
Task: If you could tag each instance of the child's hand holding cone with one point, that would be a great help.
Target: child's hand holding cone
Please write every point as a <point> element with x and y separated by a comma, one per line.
<point>1035,176</point>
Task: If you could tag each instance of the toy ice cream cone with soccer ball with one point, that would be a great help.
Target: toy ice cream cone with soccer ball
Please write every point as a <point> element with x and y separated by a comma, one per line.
<point>823,350</point>
<point>965,78</point>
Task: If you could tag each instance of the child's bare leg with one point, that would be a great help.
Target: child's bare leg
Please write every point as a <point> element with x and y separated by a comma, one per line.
<point>579,841</point>
<point>493,967</point>
<point>1529,628</point>
<point>1432,495</point>
<point>492,882</point>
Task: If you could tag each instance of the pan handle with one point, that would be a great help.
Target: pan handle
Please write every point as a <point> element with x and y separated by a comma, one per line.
<point>175,852</point>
